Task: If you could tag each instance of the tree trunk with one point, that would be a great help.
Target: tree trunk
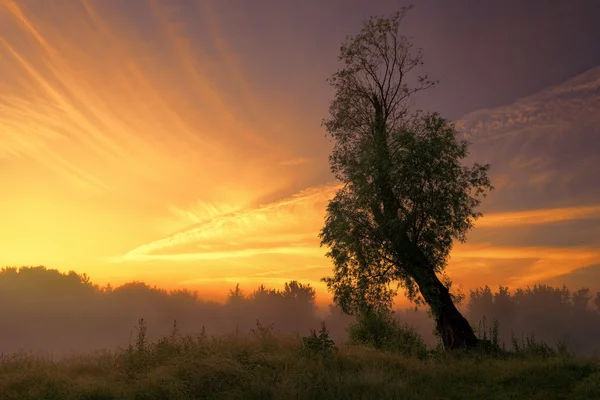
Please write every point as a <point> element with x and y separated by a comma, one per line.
<point>453,327</point>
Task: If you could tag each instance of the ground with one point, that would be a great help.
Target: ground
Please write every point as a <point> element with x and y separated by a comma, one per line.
<point>260,366</point>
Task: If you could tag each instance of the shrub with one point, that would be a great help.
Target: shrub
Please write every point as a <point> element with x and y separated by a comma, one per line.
<point>320,344</point>
<point>530,346</point>
<point>264,334</point>
<point>384,332</point>
<point>489,338</point>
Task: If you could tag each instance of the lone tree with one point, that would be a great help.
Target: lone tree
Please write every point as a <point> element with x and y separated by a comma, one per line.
<point>405,195</point>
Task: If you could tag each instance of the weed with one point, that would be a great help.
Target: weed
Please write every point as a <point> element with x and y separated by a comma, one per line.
<point>319,344</point>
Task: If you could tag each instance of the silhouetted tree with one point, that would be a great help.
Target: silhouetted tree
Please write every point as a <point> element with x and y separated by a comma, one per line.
<point>48,310</point>
<point>264,296</point>
<point>299,299</point>
<point>549,313</point>
<point>299,292</point>
<point>581,299</point>
<point>493,306</point>
<point>54,311</point>
<point>481,303</point>
<point>531,300</point>
<point>236,295</point>
<point>405,196</point>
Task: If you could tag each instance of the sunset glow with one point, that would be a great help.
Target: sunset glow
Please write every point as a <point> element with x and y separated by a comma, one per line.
<point>147,140</point>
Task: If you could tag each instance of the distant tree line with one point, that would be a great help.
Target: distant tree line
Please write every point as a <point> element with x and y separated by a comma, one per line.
<point>46,310</point>
<point>553,314</point>
<point>43,309</point>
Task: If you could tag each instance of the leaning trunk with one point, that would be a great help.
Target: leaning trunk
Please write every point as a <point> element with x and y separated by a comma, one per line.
<point>452,326</point>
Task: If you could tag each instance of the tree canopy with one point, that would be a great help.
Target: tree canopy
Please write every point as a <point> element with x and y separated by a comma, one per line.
<point>406,193</point>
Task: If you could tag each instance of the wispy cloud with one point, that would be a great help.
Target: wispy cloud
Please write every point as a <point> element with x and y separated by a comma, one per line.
<point>222,255</point>
<point>276,227</point>
<point>295,161</point>
<point>147,133</point>
<point>535,217</point>
<point>122,121</point>
<point>123,114</point>
<point>481,264</point>
<point>491,251</point>
<point>556,107</point>
<point>289,227</point>
<point>253,280</point>
<point>542,148</point>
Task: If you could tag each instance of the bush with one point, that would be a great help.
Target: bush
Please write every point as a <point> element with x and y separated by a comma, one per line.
<point>264,334</point>
<point>530,346</point>
<point>320,344</point>
<point>384,332</point>
<point>489,338</point>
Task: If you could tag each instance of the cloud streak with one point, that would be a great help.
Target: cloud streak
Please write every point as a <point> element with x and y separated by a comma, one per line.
<point>295,162</point>
<point>273,227</point>
<point>537,217</point>
<point>554,107</point>
<point>289,227</point>
<point>148,135</point>
<point>123,116</point>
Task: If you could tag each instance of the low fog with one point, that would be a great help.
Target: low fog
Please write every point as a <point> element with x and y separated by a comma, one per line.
<point>45,311</point>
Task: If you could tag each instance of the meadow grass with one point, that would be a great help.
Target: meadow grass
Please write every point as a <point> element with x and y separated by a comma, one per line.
<point>261,365</point>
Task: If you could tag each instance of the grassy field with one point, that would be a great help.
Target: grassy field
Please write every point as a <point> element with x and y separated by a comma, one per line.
<point>262,366</point>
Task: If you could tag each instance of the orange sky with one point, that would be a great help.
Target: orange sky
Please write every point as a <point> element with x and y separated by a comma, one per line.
<point>131,150</point>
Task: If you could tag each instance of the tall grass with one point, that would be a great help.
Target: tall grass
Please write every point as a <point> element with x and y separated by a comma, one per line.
<point>265,365</point>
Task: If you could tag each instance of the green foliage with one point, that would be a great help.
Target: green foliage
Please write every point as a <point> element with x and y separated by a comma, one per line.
<point>136,355</point>
<point>489,338</point>
<point>264,334</point>
<point>550,312</point>
<point>529,346</point>
<point>240,368</point>
<point>141,340</point>
<point>489,333</point>
<point>384,332</point>
<point>406,194</point>
<point>319,344</point>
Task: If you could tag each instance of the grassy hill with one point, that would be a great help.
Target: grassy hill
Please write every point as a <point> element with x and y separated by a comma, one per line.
<point>261,365</point>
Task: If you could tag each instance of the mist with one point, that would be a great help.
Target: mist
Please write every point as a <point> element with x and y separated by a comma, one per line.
<point>45,311</point>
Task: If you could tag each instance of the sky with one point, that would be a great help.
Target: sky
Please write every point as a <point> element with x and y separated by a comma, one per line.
<point>180,143</point>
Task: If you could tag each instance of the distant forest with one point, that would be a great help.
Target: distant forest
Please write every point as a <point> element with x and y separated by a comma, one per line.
<point>43,310</point>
